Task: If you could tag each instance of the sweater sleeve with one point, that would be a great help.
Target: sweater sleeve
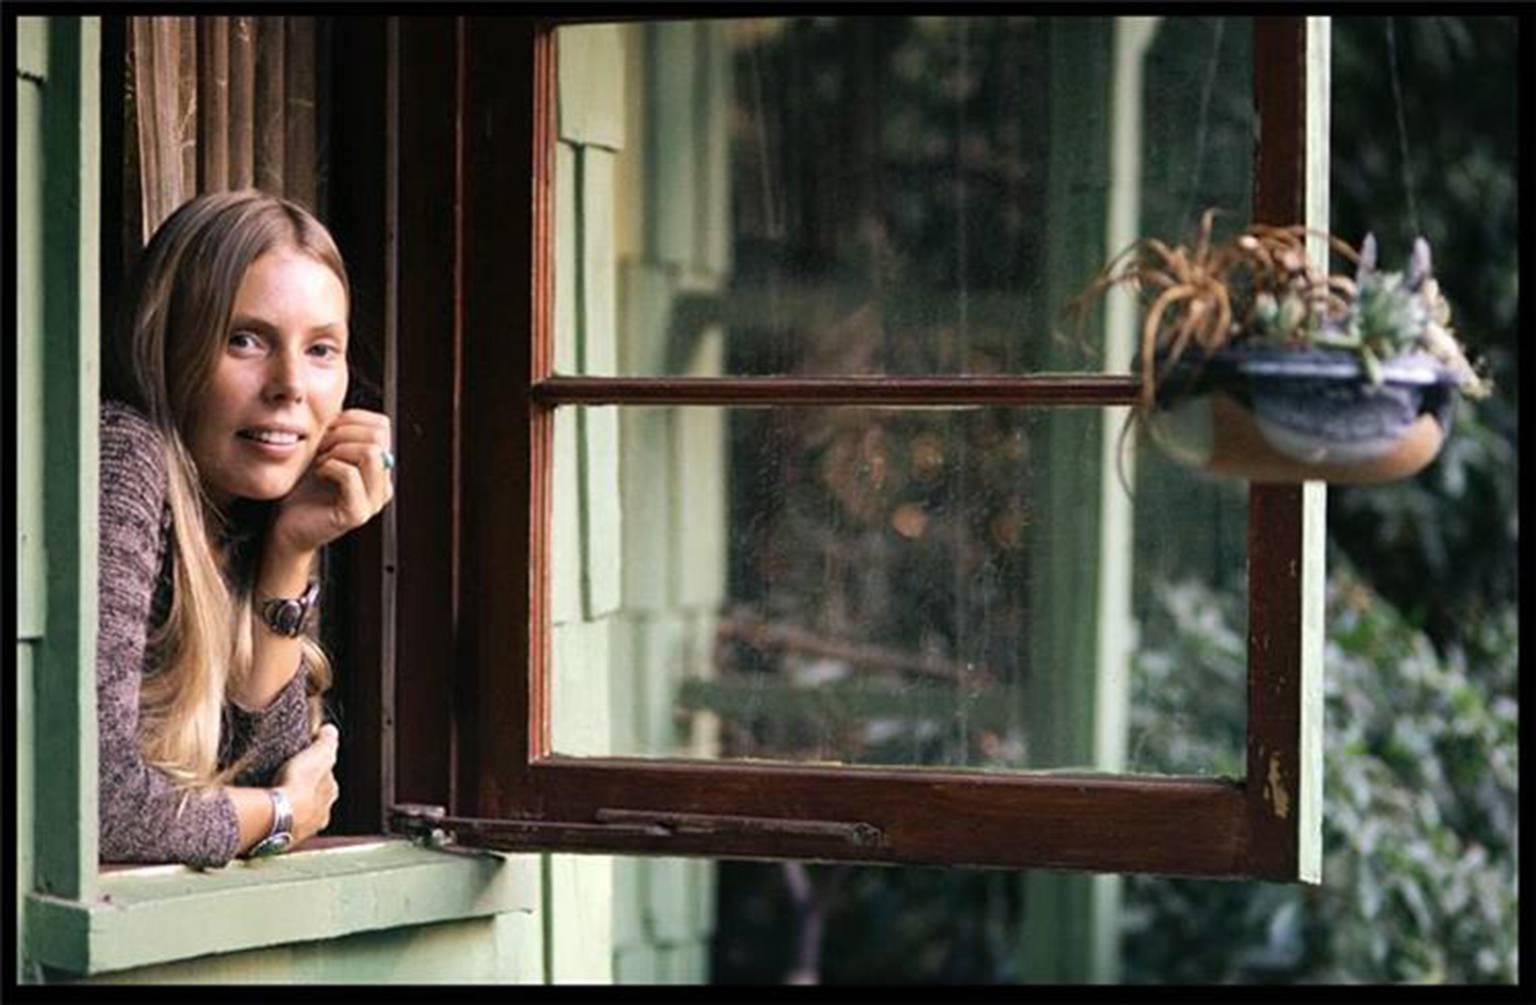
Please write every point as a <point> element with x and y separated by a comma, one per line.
<point>269,736</point>
<point>144,816</point>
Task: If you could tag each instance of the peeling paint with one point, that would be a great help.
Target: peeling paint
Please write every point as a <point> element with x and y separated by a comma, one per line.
<point>1274,789</point>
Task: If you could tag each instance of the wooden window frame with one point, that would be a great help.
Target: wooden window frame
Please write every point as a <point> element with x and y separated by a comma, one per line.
<point>506,788</point>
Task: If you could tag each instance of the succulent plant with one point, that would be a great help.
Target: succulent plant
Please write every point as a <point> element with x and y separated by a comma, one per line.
<point>1260,288</point>
<point>1393,313</point>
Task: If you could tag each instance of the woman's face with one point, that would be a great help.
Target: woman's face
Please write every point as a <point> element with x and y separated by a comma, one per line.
<point>278,383</point>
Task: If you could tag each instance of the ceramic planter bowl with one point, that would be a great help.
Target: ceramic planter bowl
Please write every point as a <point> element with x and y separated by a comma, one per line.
<point>1288,415</point>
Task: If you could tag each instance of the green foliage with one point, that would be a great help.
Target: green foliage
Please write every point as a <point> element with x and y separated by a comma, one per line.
<point>1421,863</point>
<point>1454,525</point>
<point>1420,804</point>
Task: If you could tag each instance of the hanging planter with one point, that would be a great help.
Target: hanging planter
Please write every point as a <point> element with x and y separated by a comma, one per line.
<point>1254,365</point>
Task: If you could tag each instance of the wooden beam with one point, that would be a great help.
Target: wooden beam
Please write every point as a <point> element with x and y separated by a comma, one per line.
<point>65,821</point>
<point>504,110</point>
<point>1035,389</point>
<point>1285,553</point>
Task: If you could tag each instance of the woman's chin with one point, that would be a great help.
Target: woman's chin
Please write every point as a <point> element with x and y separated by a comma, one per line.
<point>257,490</point>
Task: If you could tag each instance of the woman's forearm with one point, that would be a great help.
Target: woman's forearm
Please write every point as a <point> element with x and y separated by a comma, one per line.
<point>275,658</point>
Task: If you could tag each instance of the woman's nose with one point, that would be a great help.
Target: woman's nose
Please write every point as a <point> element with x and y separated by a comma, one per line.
<point>285,377</point>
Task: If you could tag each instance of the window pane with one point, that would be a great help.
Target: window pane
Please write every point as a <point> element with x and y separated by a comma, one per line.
<point>874,195</point>
<point>887,587</point>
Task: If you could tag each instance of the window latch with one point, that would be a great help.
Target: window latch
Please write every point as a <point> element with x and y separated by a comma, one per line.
<point>432,827</point>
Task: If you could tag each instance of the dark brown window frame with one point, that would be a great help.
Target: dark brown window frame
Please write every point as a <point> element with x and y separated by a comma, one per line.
<point>502,770</point>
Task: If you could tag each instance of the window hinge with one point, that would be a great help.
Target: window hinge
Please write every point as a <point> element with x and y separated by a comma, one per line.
<point>431,826</point>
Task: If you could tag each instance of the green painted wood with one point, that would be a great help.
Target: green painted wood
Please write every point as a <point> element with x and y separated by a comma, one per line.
<point>163,913</point>
<point>702,729</point>
<point>667,900</point>
<point>565,521</point>
<point>32,50</point>
<point>672,143</point>
<point>65,678</point>
<point>602,519</point>
<point>1309,817</point>
<point>682,963</point>
<point>646,492</point>
<point>629,217</point>
<point>26,791</point>
<point>699,465</point>
<point>646,293</point>
<point>567,357</point>
<point>592,85</point>
<point>703,879</point>
<point>636,965</point>
<point>493,950</point>
<point>599,278</point>
<point>623,703</point>
<point>579,907</point>
<point>715,93</point>
<point>580,709</point>
<point>1059,908</point>
<point>628,894</point>
<point>661,640</point>
<point>31,573</point>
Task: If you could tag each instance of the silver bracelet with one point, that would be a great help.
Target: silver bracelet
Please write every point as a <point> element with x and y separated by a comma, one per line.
<point>281,835</point>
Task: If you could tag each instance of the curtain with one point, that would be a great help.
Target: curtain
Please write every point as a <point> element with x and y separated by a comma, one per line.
<point>217,103</point>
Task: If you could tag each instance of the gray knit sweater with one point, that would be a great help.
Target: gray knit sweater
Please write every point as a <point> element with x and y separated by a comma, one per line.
<point>140,812</point>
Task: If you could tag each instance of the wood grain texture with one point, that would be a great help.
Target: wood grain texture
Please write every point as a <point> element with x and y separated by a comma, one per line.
<point>213,104</point>
<point>427,435</point>
<point>1275,516</point>
<point>504,307</point>
<point>1099,822</point>
<point>242,102</point>
<point>357,577</point>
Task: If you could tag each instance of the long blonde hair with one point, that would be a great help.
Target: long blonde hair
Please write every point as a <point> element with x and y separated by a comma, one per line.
<point>170,334</point>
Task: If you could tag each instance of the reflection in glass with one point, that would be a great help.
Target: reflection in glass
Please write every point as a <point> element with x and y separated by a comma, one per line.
<point>855,586</point>
<point>879,195</point>
<point>897,196</point>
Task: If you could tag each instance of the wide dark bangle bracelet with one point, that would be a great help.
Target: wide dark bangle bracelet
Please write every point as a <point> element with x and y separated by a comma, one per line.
<point>287,616</point>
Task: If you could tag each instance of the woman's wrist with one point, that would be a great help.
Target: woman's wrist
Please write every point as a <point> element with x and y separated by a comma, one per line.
<point>284,571</point>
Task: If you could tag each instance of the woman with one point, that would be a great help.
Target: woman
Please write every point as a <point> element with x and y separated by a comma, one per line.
<point>227,462</point>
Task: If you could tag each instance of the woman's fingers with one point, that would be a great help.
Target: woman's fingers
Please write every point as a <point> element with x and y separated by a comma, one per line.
<point>368,458</point>
<point>358,426</point>
<point>353,505</point>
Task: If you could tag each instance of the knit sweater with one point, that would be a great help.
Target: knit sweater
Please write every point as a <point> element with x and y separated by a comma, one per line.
<point>143,818</point>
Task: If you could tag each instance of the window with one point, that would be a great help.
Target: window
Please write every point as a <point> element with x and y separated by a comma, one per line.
<point>550,407</point>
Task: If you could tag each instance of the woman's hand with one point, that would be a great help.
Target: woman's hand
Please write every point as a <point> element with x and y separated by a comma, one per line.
<point>345,486</point>
<point>309,782</point>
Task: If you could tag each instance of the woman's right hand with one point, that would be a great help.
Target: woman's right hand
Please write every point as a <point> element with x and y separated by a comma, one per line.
<point>309,781</point>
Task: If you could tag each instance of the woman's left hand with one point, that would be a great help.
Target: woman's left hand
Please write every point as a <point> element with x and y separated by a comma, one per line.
<point>345,486</point>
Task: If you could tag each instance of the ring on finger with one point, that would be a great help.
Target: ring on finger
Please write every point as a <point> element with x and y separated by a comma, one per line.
<point>387,457</point>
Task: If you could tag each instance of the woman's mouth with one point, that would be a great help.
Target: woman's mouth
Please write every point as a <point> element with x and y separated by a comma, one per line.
<point>274,442</point>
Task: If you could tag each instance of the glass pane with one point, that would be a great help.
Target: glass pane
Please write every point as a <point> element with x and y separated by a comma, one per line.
<point>879,195</point>
<point>874,586</point>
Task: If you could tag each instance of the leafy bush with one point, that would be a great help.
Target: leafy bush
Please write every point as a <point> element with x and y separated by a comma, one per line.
<point>1420,821</point>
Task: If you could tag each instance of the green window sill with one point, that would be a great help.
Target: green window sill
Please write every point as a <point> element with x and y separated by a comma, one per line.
<point>159,914</point>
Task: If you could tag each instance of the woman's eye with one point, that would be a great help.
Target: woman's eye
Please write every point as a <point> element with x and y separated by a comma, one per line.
<point>244,340</point>
<point>325,350</point>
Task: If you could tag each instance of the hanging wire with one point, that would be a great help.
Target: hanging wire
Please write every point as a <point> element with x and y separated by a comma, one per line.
<point>1402,130</point>
<point>1206,91</point>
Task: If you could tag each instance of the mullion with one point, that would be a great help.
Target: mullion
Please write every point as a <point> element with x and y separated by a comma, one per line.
<point>1045,390</point>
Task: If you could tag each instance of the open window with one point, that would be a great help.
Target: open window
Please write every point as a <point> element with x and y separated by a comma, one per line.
<point>760,506</point>
<point>814,547</point>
